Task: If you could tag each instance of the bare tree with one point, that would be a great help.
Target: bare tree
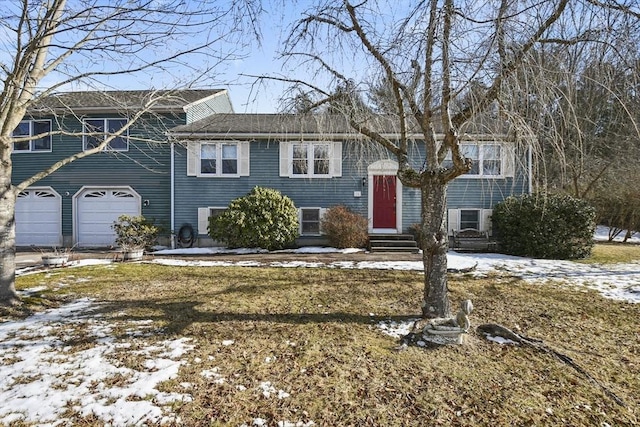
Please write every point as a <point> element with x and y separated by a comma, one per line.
<point>50,45</point>
<point>444,64</point>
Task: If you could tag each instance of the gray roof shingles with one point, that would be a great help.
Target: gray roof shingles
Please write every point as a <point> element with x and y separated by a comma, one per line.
<point>121,99</point>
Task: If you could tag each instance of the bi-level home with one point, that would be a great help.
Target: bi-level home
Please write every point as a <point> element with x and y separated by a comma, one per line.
<point>77,205</point>
<point>320,162</point>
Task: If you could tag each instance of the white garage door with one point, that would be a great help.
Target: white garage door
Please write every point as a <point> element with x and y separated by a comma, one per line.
<point>96,211</point>
<point>39,218</point>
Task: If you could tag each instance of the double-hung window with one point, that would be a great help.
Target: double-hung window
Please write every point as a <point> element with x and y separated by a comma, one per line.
<point>33,136</point>
<point>310,221</point>
<point>311,159</point>
<point>218,159</point>
<point>487,159</point>
<point>96,131</point>
<point>469,218</point>
<point>211,159</point>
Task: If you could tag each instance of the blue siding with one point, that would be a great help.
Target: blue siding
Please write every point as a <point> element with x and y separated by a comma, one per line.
<point>193,192</point>
<point>219,103</point>
<point>145,168</point>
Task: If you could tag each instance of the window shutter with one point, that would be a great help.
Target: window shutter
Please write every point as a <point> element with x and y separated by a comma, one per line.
<point>323,211</point>
<point>452,218</point>
<point>243,158</point>
<point>509,163</point>
<point>193,156</point>
<point>336,159</point>
<point>203,220</point>
<point>284,158</point>
<point>487,225</point>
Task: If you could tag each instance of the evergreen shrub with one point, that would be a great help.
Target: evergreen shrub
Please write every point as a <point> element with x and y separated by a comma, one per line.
<point>345,228</point>
<point>263,218</point>
<point>135,232</point>
<point>554,226</point>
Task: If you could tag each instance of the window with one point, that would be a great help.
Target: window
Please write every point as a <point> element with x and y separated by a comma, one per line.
<point>469,218</point>
<point>487,159</point>
<point>210,159</point>
<point>31,128</point>
<point>310,159</point>
<point>310,221</point>
<point>100,129</point>
<point>218,159</point>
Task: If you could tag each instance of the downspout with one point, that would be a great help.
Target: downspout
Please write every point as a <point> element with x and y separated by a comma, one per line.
<point>172,191</point>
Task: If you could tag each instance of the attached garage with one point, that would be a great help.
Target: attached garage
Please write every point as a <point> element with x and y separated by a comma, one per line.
<point>38,218</point>
<point>96,209</point>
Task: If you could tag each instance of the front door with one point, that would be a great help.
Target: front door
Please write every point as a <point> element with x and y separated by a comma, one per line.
<point>384,201</point>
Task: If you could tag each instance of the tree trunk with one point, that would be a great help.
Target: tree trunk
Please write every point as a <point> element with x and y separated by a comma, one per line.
<point>8,294</point>
<point>435,244</point>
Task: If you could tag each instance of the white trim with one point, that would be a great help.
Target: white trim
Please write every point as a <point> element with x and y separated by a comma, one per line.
<point>222,92</point>
<point>384,167</point>
<point>194,160</point>
<point>334,158</point>
<point>31,134</point>
<point>320,215</point>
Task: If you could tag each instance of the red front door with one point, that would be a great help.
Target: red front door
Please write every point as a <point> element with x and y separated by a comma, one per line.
<point>384,201</point>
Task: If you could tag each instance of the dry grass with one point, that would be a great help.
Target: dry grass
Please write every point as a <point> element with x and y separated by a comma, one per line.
<point>311,333</point>
<point>607,253</point>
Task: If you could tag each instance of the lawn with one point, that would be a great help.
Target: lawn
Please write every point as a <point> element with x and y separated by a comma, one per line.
<point>303,346</point>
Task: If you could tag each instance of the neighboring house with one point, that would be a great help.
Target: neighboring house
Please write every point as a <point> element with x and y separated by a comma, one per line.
<point>77,204</point>
<point>320,162</point>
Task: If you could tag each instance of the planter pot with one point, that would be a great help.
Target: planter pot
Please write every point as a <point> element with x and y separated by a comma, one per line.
<point>132,255</point>
<point>54,260</point>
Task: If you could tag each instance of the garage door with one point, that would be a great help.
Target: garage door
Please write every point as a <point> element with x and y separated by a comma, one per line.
<point>96,211</point>
<point>39,218</point>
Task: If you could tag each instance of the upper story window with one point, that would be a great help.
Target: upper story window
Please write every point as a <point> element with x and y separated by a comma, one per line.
<point>97,130</point>
<point>488,159</point>
<point>310,159</point>
<point>41,129</point>
<point>218,159</point>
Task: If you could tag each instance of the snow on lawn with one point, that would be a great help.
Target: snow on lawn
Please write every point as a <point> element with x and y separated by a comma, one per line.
<point>42,376</point>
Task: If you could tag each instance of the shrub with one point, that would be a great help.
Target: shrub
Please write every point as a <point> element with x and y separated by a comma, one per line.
<point>135,232</point>
<point>345,228</point>
<point>545,226</point>
<point>263,218</point>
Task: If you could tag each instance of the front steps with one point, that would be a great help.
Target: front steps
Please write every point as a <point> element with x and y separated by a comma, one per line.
<point>398,243</point>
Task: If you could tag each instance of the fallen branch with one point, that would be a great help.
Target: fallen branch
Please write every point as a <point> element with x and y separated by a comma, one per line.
<point>506,333</point>
<point>463,270</point>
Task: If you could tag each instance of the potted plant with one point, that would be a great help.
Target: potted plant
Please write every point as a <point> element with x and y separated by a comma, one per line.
<point>58,257</point>
<point>134,234</point>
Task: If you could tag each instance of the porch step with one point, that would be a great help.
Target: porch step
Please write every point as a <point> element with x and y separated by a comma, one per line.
<point>393,243</point>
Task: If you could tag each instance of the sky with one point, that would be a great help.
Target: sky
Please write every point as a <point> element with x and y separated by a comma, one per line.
<point>40,375</point>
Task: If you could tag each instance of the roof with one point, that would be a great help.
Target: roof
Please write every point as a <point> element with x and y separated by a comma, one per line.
<point>91,101</point>
<point>238,125</point>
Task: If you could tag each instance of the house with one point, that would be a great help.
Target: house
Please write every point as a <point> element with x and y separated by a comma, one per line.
<point>320,162</point>
<point>77,204</point>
